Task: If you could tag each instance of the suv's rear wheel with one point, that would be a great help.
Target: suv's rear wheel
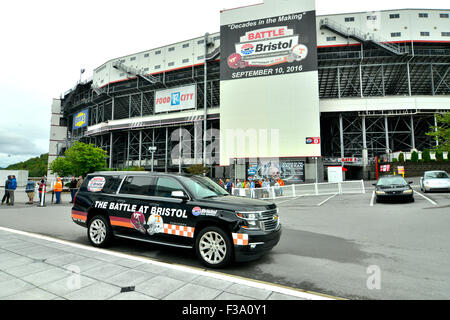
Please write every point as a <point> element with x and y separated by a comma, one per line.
<point>99,232</point>
<point>213,247</point>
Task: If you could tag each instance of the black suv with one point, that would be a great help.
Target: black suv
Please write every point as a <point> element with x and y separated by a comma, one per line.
<point>178,210</point>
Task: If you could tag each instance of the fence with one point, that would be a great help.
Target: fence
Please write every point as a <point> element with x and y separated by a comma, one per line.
<point>299,190</point>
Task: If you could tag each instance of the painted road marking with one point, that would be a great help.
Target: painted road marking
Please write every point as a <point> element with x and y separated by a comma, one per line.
<point>432,202</point>
<point>334,195</point>
<point>373,197</point>
<point>304,294</point>
<point>277,203</point>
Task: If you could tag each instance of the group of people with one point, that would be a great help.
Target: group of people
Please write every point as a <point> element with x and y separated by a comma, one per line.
<point>30,188</point>
<point>10,187</point>
<point>254,183</point>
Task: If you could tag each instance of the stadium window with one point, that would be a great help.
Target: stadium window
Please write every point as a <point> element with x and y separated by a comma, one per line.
<point>423,15</point>
<point>171,49</point>
<point>443,15</point>
<point>122,61</point>
<point>445,34</point>
<point>158,67</point>
<point>158,52</point>
<point>171,64</point>
<point>200,57</point>
<point>394,16</point>
<point>186,45</point>
<point>200,41</point>
<point>424,34</point>
<point>371,17</point>
<point>146,69</point>
<point>349,19</point>
<point>331,38</point>
<point>216,38</point>
<point>396,34</point>
<point>146,55</point>
<point>185,60</point>
<point>122,74</point>
<point>132,58</point>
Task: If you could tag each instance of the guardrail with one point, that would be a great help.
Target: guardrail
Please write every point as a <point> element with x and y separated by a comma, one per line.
<point>299,190</point>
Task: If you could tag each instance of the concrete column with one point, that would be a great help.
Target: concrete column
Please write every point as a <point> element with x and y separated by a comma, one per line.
<point>386,130</point>
<point>409,78</point>
<point>140,147</point>
<point>110,149</point>
<point>167,147</point>
<point>413,140</point>
<point>341,135</point>
<point>364,151</point>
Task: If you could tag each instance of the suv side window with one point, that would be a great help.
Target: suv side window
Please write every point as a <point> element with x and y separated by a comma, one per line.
<point>165,186</point>
<point>111,184</point>
<point>139,185</point>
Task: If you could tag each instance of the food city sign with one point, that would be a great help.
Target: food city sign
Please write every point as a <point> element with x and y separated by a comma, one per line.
<point>80,119</point>
<point>271,46</point>
<point>175,99</point>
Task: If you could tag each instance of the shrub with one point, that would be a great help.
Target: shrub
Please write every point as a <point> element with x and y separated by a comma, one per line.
<point>401,157</point>
<point>439,155</point>
<point>426,155</point>
<point>394,160</point>
<point>414,156</point>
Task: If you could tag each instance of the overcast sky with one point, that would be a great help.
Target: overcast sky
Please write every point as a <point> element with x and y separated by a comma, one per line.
<point>45,43</point>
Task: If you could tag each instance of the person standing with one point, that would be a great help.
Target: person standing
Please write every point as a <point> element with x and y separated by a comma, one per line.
<point>80,181</point>
<point>58,188</point>
<point>73,188</point>
<point>6,195</point>
<point>42,186</point>
<point>11,188</point>
<point>29,190</point>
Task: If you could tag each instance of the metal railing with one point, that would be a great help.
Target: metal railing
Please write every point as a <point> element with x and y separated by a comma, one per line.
<point>299,190</point>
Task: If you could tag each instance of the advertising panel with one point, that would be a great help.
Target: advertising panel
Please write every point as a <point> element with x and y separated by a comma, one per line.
<point>80,119</point>
<point>267,47</point>
<point>289,171</point>
<point>176,99</point>
<point>269,95</point>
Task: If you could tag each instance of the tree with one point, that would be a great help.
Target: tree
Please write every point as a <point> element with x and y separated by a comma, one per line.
<point>79,160</point>
<point>414,156</point>
<point>401,157</point>
<point>441,132</point>
<point>426,155</point>
<point>439,155</point>
<point>198,169</point>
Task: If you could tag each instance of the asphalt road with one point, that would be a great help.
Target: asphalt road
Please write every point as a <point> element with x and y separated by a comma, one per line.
<point>343,245</point>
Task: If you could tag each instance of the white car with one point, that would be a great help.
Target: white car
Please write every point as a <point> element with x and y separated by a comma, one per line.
<point>435,181</point>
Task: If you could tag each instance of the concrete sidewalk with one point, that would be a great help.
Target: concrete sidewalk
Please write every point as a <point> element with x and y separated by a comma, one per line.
<point>38,267</point>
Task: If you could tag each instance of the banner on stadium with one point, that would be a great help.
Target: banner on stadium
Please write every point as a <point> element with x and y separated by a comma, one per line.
<point>270,46</point>
<point>80,119</point>
<point>176,99</point>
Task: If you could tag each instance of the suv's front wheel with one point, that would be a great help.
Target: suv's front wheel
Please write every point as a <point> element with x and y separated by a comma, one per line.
<point>213,247</point>
<point>99,232</point>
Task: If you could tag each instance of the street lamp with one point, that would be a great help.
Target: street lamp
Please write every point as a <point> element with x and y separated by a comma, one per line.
<point>152,150</point>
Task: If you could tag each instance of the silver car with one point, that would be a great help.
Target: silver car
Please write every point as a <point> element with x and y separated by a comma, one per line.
<point>435,181</point>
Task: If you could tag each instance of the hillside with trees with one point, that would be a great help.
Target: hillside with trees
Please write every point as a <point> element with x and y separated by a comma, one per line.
<point>37,167</point>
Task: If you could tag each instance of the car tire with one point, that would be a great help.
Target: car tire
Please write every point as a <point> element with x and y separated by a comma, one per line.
<point>411,200</point>
<point>213,247</point>
<point>99,232</point>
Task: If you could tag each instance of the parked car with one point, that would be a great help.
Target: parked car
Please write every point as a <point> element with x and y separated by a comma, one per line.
<point>435,181</point>
<point>394,188</point>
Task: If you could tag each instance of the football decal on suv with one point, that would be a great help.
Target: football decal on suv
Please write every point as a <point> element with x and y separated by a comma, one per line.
<point>138,221</point>
<point>154,224</point>
<point>196,211</point>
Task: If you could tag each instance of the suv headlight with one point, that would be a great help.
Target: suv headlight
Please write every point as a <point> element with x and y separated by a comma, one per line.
<point>380,192</point>
<point>408,191</point>
<point>251,220</point>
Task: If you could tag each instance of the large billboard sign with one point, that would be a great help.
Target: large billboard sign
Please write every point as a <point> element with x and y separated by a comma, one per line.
<point>269,95</point>
<point>80,119</point>
<point>176,99</point>
<point>267,47</point>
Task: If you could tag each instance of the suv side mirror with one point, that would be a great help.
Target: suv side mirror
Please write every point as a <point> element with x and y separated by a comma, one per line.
<point>410,182</point>
<point>374,184</point>
<point>179,195</point>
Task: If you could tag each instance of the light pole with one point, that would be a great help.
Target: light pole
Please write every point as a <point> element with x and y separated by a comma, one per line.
<point>152,151</point>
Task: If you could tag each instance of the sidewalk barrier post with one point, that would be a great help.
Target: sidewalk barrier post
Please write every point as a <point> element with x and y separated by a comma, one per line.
<point>293,190</point>
<point>316,188</point>
<point>272,191</point>
<point>363,189</point>
<point>340,187</point>
<point>44,189</point>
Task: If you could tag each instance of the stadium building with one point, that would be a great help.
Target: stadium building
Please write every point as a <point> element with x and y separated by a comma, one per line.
<point>381,78</point>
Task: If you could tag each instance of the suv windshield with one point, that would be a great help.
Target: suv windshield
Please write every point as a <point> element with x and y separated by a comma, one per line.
<point>436,175</point>
<point>203,187</point>
<point>392,181</point>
